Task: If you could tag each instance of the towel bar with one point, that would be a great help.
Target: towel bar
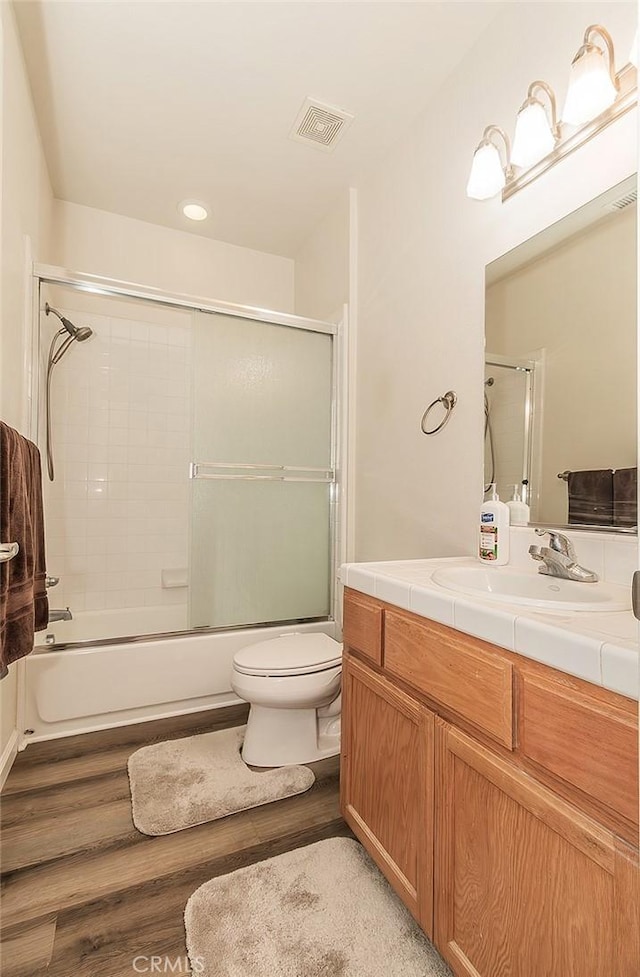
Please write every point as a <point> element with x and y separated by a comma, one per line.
<point>8,551</point>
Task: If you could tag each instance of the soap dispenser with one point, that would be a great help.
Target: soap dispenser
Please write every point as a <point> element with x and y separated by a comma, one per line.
<point>494,530</point>
<point>519,511</point>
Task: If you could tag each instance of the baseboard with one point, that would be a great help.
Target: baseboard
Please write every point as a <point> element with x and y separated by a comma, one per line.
<point>9,754</point>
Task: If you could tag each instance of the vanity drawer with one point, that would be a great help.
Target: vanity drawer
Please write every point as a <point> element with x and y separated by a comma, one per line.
<point>362,629</point>
<point>589,743</point>
<point>458,672</point>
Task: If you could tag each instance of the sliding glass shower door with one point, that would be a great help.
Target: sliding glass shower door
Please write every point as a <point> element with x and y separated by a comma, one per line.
<point>261,472</point>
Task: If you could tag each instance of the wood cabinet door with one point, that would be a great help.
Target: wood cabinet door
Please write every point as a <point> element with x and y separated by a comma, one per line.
<point>387,782</point>
<point>525,884</point>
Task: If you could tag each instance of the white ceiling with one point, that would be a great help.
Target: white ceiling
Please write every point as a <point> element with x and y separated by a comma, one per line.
<point>144,104</point>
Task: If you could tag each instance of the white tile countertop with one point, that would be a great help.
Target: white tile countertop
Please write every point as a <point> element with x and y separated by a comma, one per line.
<point>600,647</point>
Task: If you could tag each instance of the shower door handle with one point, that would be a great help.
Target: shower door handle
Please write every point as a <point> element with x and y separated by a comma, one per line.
<point>8,551</point>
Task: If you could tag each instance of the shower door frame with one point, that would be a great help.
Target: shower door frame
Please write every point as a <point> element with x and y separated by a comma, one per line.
<point>528,367</point>
<point>98,285</point>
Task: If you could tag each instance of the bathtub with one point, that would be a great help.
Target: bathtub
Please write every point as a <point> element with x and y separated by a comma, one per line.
<point>81,689</point>
<point>121,623</point>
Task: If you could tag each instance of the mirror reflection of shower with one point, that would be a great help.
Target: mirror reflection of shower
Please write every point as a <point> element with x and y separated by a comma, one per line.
<point>488,435</point>
<point>508,424</point>
<point>67,336</point>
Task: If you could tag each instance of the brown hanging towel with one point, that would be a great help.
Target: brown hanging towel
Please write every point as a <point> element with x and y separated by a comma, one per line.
<point>625,497</point>
<point>24,608</point>
<point>591,497</point>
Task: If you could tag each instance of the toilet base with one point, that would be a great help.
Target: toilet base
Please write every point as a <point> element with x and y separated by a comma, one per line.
<point>280,737</point>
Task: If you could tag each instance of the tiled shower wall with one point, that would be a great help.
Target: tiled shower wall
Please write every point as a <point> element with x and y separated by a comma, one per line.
<point>117,513</point>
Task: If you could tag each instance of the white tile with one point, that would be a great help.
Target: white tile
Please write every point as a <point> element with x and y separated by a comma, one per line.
<point>490,624</point>
<point>393,591</point>
<point>621,670</point>
<point>570,652</point>
<point>520,539</point>
<point>432,604</point>
<point>360,580</point>
<point>620,560</point>
<point>98,453</point>
<point>95,600</point>
<point>96,490</point>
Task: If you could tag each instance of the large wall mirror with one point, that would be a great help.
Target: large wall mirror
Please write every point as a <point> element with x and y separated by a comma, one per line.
<point>561,368</point>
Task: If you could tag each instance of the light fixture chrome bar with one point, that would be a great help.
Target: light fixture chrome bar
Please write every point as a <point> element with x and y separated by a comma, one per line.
<point>273,473</point>
<point>568,144</point>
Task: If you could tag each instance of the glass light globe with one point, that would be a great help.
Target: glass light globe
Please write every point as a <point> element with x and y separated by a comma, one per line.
<point>487,175</point>
<point>591,90</point>
<point>533,139</point>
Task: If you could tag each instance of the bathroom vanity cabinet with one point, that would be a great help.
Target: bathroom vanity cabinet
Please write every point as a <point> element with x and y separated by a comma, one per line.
<point>498,796</point>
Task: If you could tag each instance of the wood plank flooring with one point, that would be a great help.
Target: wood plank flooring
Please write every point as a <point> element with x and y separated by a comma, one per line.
<point>84,893</point>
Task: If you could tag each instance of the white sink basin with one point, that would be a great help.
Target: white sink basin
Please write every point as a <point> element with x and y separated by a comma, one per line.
<point>533,589</point>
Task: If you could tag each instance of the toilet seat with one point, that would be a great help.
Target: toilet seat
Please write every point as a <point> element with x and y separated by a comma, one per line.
<point>289,655</point>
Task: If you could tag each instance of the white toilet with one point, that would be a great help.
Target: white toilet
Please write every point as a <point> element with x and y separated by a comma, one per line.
<point>293,686</point>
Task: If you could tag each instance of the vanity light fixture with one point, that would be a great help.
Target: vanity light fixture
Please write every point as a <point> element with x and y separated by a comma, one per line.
<point>488,174</point>
<point>593,85</point>
<point>536,134</point>
<point>597,96</point>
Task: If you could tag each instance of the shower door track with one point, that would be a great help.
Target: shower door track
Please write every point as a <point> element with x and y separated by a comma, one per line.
<point>188,633</point>
<point>51,275</point>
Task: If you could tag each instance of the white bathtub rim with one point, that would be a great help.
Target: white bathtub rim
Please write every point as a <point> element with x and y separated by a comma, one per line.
<point>214,703</point>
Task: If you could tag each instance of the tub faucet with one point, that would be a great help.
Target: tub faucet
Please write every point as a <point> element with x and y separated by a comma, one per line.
<point>61,615</point>
<point>558,559</point>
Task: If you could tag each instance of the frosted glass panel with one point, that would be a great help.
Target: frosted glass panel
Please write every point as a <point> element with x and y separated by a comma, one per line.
<point>260,547</point>
<point>262,393</point>
<point>262,552</point>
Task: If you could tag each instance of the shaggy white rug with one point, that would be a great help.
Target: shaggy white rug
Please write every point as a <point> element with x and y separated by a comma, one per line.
<point>320,911</point>
<point>181,783</point>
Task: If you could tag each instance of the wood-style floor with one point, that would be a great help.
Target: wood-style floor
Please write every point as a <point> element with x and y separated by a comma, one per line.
<point>84,893</point>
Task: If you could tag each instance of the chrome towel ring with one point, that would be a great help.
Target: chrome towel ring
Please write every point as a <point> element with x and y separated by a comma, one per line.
<point>448,401</point>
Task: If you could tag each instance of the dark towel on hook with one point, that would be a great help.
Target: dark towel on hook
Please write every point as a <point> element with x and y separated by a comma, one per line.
<point>625,497</point>
<point>591,498</point>
<point>24,608</point>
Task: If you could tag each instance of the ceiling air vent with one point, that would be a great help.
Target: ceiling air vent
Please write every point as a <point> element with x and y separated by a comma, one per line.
<point>622,202</point>
<point>320,125</point>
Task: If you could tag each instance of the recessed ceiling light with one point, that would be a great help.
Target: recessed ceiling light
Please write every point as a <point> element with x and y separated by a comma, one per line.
<point>193,210</point>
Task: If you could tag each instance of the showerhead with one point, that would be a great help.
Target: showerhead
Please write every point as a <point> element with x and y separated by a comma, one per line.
<point>76,332</point>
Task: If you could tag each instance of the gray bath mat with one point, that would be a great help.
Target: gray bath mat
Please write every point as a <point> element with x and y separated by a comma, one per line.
<point>185,782</point>
<point>320,911</point>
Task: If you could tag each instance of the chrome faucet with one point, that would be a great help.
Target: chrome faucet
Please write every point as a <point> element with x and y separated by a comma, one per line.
<point>558,559</point>
<point>62,615</point>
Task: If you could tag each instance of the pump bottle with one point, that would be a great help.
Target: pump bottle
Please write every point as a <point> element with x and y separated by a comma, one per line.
<point>494,530</point>
<point>519,511</point>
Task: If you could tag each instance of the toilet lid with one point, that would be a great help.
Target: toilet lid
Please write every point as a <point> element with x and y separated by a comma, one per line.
<point>290,654</point>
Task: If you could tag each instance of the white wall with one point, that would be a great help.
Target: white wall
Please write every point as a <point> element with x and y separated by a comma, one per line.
<point>25,211</point>
<point>423,247</point>
<point>322,266</point>
<point>113,246</point>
